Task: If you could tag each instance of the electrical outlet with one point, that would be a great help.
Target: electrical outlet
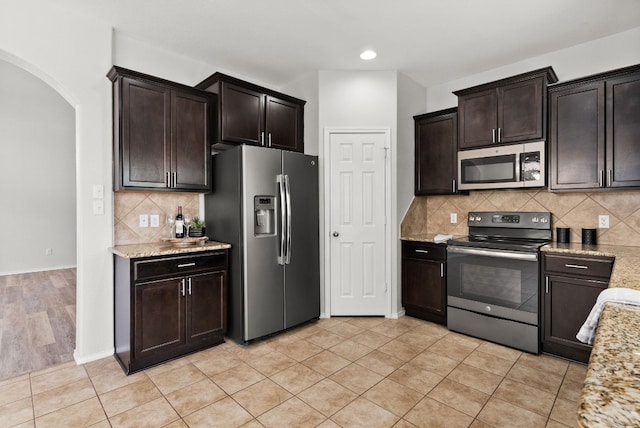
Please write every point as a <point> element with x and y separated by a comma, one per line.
<point>454,218</point>
<point>155,220</point>
<point>603,221</point>
<point>48,251</point>
<point>98,191</point>
<point>144,220</point>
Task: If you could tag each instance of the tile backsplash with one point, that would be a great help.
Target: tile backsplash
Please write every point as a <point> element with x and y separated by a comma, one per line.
<point>129,205</point>
<point>430,215</point>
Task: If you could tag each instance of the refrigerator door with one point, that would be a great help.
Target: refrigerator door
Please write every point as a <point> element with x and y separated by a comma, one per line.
<point>264,277</point>
<point>302,272</point>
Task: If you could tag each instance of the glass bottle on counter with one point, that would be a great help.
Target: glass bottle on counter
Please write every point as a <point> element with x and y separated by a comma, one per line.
<point>179,224</point>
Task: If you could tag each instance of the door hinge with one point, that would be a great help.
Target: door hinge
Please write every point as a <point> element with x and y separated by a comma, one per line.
<point>386,152</point>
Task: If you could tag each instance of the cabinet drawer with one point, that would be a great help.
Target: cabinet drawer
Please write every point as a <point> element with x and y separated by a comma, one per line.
<point>597,267</point>
<point>424,250</point>
<point>182,265</point>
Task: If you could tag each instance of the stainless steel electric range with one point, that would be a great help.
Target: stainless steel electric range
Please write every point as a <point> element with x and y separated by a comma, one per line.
<point>493,278</point>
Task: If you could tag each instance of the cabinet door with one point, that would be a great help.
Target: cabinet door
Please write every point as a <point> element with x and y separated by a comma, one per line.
<point>159,319</point>
<point>577,138</point>
<point>284,124</point>
<point>435,155</point>
<point>478,118</point>
<point>206,309</point>
<point>146,128</point>
<point>623,131</point>
<point>520,111</point>
<point>242,115</point>
<point>567,303</point>
<point>423,290</point>
<point>190,141</point>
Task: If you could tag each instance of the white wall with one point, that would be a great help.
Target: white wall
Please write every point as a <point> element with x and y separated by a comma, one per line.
<point>37,174</point>
<point>72,54</point>
<point>608,53</point>
<point>356,99</point>
<point>306,88</point>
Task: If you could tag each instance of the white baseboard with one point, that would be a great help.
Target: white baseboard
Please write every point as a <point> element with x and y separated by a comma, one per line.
<point>324,315</point>
<point>396,315</point>
<point>18,272</point>
<point>93,357</point>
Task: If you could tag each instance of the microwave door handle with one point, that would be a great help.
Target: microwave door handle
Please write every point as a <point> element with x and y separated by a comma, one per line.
<point>518,166</point>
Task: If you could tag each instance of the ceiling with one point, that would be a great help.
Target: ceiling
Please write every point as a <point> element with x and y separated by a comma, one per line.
<point>433,41</point>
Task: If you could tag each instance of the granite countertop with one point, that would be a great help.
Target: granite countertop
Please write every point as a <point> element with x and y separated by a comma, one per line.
<point>423,237</point>
<point>611,390</point>
<point>164,249</point>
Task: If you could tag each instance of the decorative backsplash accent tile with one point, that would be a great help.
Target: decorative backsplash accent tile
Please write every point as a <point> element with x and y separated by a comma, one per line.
<point>129,205</point>
<point>429,215</point>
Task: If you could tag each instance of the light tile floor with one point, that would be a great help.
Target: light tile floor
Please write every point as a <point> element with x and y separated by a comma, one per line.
<point>347,372</point>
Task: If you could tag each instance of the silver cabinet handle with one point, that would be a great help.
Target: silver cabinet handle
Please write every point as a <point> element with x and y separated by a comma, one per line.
<point>269,139</point>
<point>175,179</point>
<point>441,270</point>
<point>186,264</point>
<point>546,285</point>
<point>262,138</point>
<point>601,178</point>
<point>499,137</point>
<point>493,135</point>
<point>576,266</point>
<point>182,287</point>
<point>422,251</point>
<point>610,182</point>
<point>336,234</point>
<point>189,282</point>
<point>167,179</point>
<point>454,186</point>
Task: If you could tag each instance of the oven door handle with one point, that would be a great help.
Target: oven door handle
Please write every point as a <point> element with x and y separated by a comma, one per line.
<point>494,253</point>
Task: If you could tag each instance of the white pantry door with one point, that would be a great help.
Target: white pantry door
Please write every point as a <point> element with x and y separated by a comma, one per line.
<point>357,223</point>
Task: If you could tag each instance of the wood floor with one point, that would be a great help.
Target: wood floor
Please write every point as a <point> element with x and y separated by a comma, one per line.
<point>37,320</point>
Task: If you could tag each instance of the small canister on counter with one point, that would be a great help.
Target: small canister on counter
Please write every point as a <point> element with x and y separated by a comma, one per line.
<point>563,235</point>
<point>589,236</point>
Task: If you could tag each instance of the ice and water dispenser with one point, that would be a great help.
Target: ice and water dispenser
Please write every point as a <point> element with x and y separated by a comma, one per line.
<point>264,215</point>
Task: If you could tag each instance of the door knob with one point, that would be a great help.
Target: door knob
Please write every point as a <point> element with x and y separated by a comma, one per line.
<point>336,234</point>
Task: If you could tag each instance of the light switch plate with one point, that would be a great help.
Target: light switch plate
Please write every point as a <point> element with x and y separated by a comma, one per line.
<point>155,220</point>
<point>98,191</point>
<point>454,218</point>
<point>144,220</point>
<point>98,207</point>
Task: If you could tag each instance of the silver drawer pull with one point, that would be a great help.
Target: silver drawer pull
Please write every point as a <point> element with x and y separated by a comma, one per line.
<point>422,251</point>
<point>576,266</point>
<point>186,265</point>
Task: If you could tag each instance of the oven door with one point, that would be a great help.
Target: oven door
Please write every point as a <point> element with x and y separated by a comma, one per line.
<point>498,283</point>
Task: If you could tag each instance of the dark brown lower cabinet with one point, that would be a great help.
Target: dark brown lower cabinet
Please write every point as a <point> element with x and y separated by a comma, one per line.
<point>570,289</point>
<point>168,306</point>
<point>424,291</point>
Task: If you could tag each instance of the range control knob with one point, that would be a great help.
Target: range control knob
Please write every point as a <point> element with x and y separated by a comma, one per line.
<point>488,308</point>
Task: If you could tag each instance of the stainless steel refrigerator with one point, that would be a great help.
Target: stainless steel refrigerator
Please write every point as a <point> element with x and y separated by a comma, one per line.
<point>265,204</point>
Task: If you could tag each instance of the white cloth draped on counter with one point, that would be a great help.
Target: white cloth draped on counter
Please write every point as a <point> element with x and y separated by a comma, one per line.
<point>587,332</point>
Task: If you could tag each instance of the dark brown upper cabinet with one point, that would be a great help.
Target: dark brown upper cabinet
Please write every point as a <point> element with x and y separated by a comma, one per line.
<point>505,111</point>
<point>594,140</point>
<point>161,134</point>
<point>436,146</point>
<point>251,114</point>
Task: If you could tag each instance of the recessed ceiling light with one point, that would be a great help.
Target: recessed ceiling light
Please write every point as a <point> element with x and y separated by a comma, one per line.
<point>368,55</point>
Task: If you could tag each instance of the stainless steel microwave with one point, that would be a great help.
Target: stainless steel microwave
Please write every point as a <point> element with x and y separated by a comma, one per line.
<point>503,167</point>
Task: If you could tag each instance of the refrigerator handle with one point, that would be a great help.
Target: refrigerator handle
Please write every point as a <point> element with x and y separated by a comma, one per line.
<point>287,253</point>
<point>283,208</point>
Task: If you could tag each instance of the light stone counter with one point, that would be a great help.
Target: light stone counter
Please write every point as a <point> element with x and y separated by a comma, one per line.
<point>164,249</point>
<point>611,390</point>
